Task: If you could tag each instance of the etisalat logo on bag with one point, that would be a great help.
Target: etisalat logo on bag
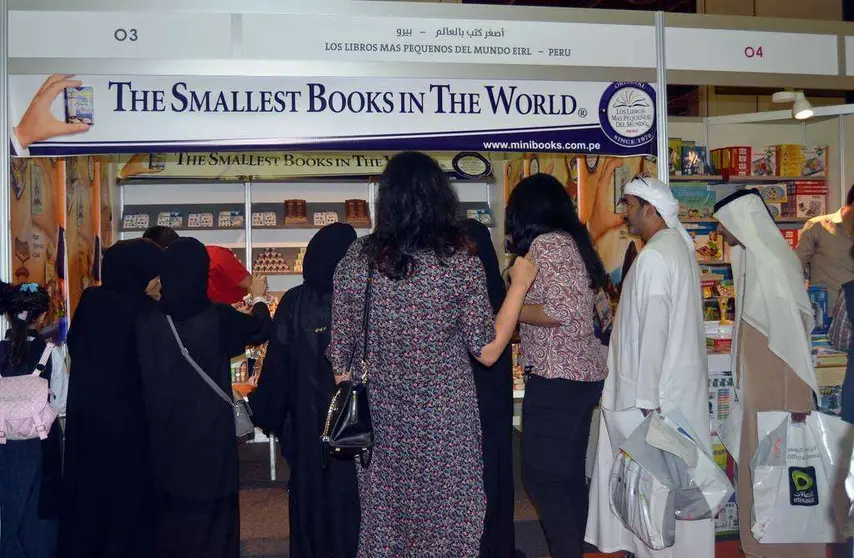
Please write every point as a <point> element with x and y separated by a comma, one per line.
<point>802,486</point>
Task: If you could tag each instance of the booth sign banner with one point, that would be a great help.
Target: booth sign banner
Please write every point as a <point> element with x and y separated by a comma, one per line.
<point>272,164</point>
<point>133,114</point>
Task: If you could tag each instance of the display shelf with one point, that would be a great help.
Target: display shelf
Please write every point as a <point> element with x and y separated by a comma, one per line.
<point>309,226</point>
<point>339,208</point>
<point>719,362</point>
<point>477,207</point>
<point>712,263</point>
<point>780,220</point>
<point>259,245</point>
<point>180,229</point>
<point>279,284</point>
<point>743,179</point>
<point>154,210</point>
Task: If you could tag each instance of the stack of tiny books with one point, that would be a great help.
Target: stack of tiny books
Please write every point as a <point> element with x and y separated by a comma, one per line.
<point>357,213</point>
<point>295,212</point>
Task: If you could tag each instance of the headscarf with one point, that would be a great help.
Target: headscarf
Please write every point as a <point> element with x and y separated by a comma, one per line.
<point>479,234</point>
<point>130,265</point>
<point>769,279</point>
<point>659,195</point>
<point>323,253</point>
<point>184,277</point>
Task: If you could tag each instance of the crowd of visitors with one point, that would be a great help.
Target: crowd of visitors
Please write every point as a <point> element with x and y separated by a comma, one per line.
<point>149,464</point>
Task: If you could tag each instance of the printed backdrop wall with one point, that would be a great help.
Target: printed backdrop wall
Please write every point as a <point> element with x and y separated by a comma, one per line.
<point>61,214</point>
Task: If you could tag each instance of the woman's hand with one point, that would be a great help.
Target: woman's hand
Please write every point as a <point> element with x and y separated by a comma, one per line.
<point>259,287</point>
<point>523,273</point>
<point>341,378</point>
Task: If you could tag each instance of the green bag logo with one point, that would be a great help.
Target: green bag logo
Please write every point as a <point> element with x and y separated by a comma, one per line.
<point>802,480</point>
<point>802,486</point>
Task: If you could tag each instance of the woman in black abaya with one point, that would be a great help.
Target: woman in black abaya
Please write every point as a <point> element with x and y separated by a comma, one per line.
<point>292,399</point>
<point>107,505</point>
<point>494,388</point>
<point>193,445</point>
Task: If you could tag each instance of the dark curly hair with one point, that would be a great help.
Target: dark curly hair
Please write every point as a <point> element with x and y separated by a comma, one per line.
<point>22,305</point>
<point>416,212</point>
<point>540,205</point>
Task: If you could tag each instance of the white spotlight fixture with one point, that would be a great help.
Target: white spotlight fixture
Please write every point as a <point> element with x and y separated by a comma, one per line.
<point>801,107</point>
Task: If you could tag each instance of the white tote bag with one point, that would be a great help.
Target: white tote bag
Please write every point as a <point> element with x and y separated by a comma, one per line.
<point>793,471</point>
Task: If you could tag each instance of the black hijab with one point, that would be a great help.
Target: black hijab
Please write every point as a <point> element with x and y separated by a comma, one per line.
<point>478,233</point>
<point>325,250</point>
<point>129,265</point>
<point>105,403</point>
<point>184,277</point>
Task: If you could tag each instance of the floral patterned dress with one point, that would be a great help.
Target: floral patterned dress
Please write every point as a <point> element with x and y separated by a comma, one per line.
<point>422,495</point>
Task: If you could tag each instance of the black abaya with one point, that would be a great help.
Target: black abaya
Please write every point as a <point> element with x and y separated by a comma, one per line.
<point>292,399</point>
<point>297,382</point>
<point>193,446</point>
<point>494,387</point>
<point>107,507</point>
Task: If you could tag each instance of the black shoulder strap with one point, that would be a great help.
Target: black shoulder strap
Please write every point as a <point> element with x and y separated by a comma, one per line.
<point>366,322</point>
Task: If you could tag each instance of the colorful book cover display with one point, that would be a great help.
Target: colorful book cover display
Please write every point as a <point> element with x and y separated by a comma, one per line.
<point>709,245</point>
<point>61,212</point>
<point>696,201</point>
<point>37,208</point>
<point>81,226</point>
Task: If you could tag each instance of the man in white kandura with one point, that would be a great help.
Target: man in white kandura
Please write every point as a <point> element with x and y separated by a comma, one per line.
<point>657,362</point>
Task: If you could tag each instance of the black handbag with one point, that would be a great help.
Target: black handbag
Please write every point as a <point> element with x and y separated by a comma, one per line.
<point>348,431</point>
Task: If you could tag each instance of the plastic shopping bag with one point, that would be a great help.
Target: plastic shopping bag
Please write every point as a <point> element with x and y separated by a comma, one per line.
<point>59,378</point>
<point>703,489</point>
<point>729,431</point>
<point>660,475</point>
<point>643,502</point>
<point>793,470</point>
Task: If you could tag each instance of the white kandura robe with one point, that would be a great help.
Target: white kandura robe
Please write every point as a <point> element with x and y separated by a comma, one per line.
<point>657,359</point>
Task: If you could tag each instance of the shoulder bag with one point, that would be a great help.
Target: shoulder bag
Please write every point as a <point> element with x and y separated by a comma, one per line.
<point>243,426</point>
<point>348,431</point>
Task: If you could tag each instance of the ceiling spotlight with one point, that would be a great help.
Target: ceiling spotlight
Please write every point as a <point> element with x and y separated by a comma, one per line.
<point>801,107</point>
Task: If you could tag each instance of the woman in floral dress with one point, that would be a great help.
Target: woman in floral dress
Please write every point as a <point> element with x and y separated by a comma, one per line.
<point>422,495</point>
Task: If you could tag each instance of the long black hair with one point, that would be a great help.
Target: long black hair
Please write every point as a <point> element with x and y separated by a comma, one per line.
<point>22,305</point>
<point>416,212</point>
<point>540,205</point>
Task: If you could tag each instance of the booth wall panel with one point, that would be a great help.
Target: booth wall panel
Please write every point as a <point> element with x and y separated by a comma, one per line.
<point>151,193</point>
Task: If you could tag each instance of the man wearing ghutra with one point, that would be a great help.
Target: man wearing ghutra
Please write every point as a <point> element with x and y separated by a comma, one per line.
<point>771,357</point>
<point>656,362</point>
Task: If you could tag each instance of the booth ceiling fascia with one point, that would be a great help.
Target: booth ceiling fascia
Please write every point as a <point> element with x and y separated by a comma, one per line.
<point>237,66</point>
<point>354,8</point>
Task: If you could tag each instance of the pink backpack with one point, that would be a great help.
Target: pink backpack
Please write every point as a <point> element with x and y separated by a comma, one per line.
<point>25,410</point>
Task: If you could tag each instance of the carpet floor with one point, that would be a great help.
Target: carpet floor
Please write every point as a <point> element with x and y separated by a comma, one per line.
<point>264,512</point>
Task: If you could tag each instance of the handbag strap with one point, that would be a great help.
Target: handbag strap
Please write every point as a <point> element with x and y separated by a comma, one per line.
<point>366,322</point>
<point>186,354</point>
